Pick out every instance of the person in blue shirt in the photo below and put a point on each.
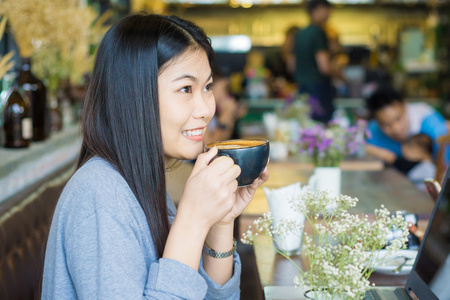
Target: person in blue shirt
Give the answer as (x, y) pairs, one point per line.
(416, 161)
(393, 120)
(115, 233)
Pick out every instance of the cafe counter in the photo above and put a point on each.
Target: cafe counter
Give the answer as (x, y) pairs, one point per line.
(21, 168)
(31, 181)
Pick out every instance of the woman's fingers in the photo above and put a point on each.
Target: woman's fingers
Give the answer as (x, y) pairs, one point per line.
(222, 168)
(221, 165)
(203, 160)
(233, 172)
(264, 176)
(246, 193)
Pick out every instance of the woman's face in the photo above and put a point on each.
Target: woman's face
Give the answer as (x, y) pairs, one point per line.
(186, 104)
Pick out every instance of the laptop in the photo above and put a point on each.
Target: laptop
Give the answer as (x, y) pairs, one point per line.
(430, 275)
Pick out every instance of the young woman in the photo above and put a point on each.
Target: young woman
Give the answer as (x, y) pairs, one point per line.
(115, 233)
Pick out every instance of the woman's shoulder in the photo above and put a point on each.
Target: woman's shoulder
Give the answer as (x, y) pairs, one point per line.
(97, 165)
(97, 175)
(97, 197)
(97, 185)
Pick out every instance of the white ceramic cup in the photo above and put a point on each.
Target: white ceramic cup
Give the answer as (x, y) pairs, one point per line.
(326, 178)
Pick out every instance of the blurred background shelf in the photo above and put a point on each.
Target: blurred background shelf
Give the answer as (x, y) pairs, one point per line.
(20, 168)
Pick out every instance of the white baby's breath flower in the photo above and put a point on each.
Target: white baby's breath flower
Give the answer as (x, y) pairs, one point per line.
(340, 250)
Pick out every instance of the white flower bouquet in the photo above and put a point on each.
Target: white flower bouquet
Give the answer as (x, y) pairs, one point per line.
(342, 247)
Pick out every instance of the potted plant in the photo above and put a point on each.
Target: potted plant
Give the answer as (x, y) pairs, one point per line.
(327, 146)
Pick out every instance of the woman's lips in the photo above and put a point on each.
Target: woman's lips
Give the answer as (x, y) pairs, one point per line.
(193, 134)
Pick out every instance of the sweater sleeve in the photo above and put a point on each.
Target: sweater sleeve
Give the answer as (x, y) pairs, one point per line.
(231, 289)
(105, 261)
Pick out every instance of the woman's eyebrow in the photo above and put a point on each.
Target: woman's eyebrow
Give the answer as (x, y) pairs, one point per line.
(209, 77)
(185, 76)
(191, 77)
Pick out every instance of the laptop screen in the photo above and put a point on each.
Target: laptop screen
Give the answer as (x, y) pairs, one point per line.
(433, 262)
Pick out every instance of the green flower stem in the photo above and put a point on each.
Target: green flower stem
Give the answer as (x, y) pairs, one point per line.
(290, 259)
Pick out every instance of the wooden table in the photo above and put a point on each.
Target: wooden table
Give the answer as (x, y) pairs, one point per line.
(371, 187)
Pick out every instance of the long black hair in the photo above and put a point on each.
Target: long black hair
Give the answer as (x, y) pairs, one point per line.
(120, 120)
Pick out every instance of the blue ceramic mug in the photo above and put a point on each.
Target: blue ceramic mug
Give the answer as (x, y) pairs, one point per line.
(250, 154)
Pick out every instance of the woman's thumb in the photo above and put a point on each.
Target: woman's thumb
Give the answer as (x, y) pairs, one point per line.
(204, 159)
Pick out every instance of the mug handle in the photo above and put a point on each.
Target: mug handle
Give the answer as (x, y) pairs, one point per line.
(217, 156)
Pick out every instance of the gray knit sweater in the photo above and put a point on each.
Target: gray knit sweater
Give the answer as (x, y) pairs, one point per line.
(100, 247)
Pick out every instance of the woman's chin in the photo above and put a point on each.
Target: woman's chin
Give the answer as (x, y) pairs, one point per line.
(196, 154)
(191, 155)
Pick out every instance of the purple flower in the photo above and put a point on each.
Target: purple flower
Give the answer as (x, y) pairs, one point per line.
(331, 143)
(324, 144)
(352, 146)
(361, 124)
(333, 122)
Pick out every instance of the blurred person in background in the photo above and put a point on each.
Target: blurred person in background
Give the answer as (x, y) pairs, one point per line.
(393, 120)
(334, 45)
(313, 68)
(416, 161)
(339, 60)
(256, 76)
(228, 111)
(287, 56)
(280, 62)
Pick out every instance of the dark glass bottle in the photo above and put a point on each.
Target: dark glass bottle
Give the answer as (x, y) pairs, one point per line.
(56, 117)
(37, 93)
(17, 122)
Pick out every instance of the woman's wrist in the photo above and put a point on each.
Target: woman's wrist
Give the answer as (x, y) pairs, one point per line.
(185, 241)
(189, 224)
(220, 237)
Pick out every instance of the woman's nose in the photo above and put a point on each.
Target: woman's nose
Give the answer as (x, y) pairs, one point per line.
(205, 106)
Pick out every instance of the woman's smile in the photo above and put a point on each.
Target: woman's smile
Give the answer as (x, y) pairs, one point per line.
(194, 134)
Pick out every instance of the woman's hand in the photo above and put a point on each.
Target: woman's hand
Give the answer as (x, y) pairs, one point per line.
(208, 196)
(210, 192)
(243, 197)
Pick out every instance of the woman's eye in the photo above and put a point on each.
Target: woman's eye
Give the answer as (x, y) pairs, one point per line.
(209, 87)
(186, 89)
